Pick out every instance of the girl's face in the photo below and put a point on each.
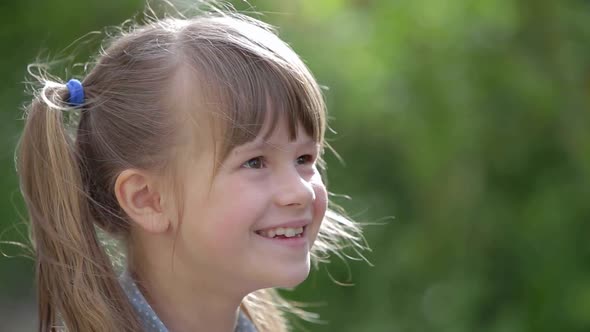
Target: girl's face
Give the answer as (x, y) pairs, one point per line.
(229, 220)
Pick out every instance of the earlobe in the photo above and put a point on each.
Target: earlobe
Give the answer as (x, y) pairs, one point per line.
(139, 198)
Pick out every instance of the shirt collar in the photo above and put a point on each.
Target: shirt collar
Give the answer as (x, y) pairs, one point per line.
(148, 317)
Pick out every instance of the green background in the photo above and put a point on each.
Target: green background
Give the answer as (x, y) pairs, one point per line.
(464, 127)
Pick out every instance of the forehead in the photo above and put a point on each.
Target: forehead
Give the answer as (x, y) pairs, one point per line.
(231, 107)
(277, 138)
(214, 122)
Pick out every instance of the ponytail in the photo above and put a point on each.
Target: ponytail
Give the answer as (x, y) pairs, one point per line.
(76, 283)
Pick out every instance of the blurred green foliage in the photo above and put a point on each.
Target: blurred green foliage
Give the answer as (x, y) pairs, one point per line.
(467, 121)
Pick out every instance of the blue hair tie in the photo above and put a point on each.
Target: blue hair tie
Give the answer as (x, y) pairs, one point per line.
(76, 92)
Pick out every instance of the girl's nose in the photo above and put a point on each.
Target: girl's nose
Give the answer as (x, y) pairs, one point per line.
(293, 190)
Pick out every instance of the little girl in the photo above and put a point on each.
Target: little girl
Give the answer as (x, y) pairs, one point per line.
(197, 143)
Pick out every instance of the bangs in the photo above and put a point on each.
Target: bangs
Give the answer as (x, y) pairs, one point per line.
(258, 92)
(252, 84)
(259, 95)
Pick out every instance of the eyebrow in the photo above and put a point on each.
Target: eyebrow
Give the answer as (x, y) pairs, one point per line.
(260, 145)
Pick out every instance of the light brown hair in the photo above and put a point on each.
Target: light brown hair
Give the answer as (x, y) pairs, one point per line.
(129, 119)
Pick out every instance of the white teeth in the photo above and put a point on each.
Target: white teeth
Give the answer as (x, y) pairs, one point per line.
(287, 232)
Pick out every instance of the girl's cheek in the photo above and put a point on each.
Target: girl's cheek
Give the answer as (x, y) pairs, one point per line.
(321, 200)
(320, 205)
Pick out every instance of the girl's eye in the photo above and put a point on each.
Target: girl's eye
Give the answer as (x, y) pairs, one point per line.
(254, 163)
(305, 159)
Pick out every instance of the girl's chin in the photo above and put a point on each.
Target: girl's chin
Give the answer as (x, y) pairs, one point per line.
(293, 278)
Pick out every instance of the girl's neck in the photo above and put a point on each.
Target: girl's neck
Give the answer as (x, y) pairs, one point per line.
(183, 301)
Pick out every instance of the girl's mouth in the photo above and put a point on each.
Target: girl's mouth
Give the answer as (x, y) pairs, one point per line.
(292, 238)
(282, 232)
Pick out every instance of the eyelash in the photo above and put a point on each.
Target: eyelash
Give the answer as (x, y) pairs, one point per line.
(308, 159)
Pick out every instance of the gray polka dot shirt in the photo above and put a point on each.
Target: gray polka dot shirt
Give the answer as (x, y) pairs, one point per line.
(150, 320)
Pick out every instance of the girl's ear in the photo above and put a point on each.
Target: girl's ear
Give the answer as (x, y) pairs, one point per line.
(139, 198)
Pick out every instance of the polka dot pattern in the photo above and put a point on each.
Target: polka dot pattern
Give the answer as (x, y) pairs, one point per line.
(148, 317)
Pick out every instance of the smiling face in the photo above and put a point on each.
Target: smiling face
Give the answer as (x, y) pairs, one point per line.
(228, 218)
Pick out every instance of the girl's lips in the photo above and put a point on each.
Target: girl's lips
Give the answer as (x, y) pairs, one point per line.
(293, 242)
(292, 224)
